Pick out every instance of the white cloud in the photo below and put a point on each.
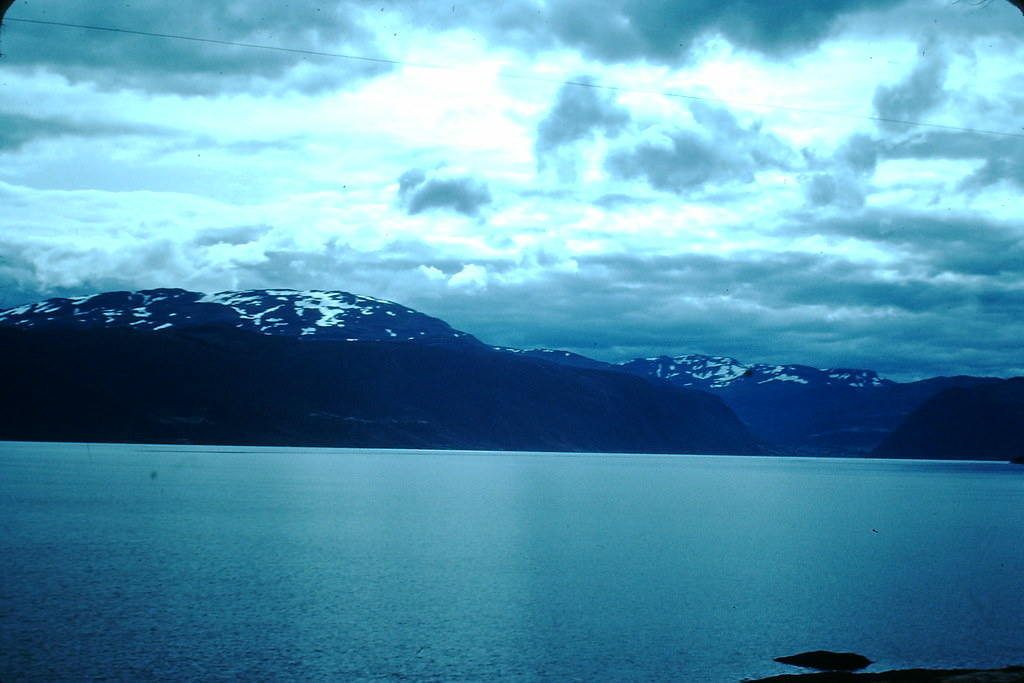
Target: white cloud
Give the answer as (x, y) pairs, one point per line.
(470, 277)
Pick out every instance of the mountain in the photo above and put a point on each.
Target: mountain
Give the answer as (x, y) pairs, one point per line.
(799, 408)
(217, 384)
(971, 423)
(282, 367)
(283, 312)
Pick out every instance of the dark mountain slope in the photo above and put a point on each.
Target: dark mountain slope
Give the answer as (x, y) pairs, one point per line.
(972, 423)
(222, 385)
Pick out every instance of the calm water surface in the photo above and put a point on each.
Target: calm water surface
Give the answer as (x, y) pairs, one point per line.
(141, 563)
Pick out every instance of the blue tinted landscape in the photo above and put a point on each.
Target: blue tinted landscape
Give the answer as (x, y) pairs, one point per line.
(539, 340)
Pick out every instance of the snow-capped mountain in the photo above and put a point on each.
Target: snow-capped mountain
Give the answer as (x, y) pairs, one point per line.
(170, 366)
(307, 314)
(720, 372)
(797, 407)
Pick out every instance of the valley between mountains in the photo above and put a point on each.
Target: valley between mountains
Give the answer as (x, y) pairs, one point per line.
(318, 368)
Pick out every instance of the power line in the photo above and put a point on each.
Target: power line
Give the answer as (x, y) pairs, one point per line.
(522, 77)
(214, 41)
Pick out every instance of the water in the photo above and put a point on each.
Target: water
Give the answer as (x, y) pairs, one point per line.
(141, 563)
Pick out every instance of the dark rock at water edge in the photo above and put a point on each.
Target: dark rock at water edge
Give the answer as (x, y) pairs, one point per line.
(825, 660)
(1011, 674)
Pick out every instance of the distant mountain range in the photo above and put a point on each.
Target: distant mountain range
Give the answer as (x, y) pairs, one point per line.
(805, 410)
(333, 368)
(799, 409)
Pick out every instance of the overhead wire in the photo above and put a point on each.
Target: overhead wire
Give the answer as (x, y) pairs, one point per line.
(520, 76)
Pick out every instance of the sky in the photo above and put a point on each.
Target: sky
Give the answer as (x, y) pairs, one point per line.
(834, 183)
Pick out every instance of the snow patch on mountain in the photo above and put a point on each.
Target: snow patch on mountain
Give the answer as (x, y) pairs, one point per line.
(311, 314)
(721, 372)
(692, 369)
(857, 378)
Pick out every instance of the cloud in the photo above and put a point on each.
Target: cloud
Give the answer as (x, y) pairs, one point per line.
(666, 31)
(944, 299)
(859, 153)
(17, 130)
(581, 111)
(998, 158)
(442, 188)
(214, 58)
(985, 160)
(824, 189)
(1008, 167)
(230, 235)
(841, 178)
(826, 311)
(962, 248)
(756, 306)
(20, 129)
(918, 93)
(471, 276)
(715, 149)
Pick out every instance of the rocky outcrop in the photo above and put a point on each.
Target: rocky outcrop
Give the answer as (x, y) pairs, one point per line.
(823, 660)
(1011, 674)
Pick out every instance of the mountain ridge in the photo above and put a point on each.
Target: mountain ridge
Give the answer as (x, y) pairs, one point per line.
(800, 409)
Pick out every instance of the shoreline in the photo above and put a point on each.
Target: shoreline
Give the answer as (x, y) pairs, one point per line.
(1010, 674)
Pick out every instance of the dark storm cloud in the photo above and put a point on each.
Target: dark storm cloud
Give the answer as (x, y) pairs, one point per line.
(235, 235)
(200, 65)
(717, 150)
(841, 177)
(20, 280)
(953, 245)
(658, 31)
(421, 190)
(758, 307)
(665, 30)
(859, 153)
(952, 145)
(918, 93)
(668, 31)
(581, 111)
(838, 189)
(1002, 156)
(17, 130)
(393, 273)
(1008, 166)
(679, 161)
(782, 280)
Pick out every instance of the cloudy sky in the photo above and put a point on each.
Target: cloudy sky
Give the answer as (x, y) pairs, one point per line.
(829, 182)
